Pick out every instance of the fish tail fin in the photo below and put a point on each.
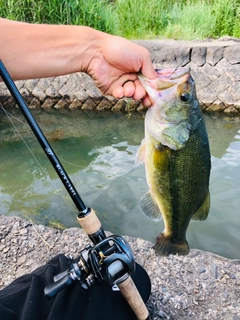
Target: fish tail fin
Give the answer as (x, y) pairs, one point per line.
(165, 246)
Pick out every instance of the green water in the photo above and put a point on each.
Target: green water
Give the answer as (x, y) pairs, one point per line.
(98, 151)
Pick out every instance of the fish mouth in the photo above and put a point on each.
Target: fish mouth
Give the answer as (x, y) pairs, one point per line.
(167, 74)
(173, 74)
(166, 79)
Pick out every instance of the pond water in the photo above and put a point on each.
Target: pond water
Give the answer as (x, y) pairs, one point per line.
(98, 151)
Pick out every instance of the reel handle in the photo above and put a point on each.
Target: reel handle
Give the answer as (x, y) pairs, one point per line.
(133, 298)
(54, 288)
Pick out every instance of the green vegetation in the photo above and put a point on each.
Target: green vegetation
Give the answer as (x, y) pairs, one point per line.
(183, 19)
(94, 13)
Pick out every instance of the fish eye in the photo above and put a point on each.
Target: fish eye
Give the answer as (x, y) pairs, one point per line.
(185, 96)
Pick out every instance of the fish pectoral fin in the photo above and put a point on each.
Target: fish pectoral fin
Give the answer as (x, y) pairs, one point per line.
(203, 210)
(149, 207)
(140, 157)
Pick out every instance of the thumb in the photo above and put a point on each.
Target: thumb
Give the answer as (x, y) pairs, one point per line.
(147, 67)
(148, 71)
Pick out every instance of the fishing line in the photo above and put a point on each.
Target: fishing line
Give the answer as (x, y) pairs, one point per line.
(9, 115)
(180, 65)
(71, 163)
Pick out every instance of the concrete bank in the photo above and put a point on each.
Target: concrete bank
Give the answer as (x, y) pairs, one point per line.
(200, 286)
(215, 66)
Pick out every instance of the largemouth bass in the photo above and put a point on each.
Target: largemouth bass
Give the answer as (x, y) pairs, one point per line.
(177, 158)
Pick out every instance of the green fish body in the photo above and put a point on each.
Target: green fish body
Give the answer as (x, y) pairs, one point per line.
(177, 159)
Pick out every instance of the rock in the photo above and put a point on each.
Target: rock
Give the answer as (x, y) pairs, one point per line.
(220, 84)
(167, 56)
(89, 104)
(58, 82)
(226, 96)
(201, 81)
(198, 55)
(48, 103)
(217, 106)
(61, 104)
(214, 55)
(39, 93)
(120, 105)
(234, 73)
(231, 110)
(237, 105)
(35, 103)
(234, 90)
(232, 53)
(51, 92)
(206, 96)
(44, 83)
(210, 72)
(76, 104)
(105, 104)
(29, 84)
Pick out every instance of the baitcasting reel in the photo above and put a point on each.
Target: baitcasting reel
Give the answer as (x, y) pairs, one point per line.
(108, 263)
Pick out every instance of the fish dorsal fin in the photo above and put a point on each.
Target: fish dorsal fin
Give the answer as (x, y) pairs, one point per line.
(149, 207)
(203, 210)
(140, 157)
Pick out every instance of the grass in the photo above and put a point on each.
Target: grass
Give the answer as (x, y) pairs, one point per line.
(186, 22)
(226, 13)
(141, 18)
(94, 13)
(183, 19)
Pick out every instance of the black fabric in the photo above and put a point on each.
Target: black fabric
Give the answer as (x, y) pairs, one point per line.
(24, 298)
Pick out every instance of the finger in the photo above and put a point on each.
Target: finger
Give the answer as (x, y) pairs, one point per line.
(114, 87)
(147, 102)
(147, 68)
(129, 89)
(117, 92)
(140, 92)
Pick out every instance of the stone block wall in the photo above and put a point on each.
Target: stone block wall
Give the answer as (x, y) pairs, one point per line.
(215, 67)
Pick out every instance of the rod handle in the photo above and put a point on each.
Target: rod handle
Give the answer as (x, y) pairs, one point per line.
(90, 223)
(132, 296)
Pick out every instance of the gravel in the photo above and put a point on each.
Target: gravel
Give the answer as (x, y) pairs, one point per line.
(198, 286)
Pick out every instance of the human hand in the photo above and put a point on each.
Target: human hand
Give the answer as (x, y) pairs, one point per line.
(115, 65)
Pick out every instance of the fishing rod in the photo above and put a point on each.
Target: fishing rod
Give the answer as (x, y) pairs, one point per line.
(110, 261)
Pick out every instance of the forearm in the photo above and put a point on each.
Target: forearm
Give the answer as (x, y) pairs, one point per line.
(38, 51)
